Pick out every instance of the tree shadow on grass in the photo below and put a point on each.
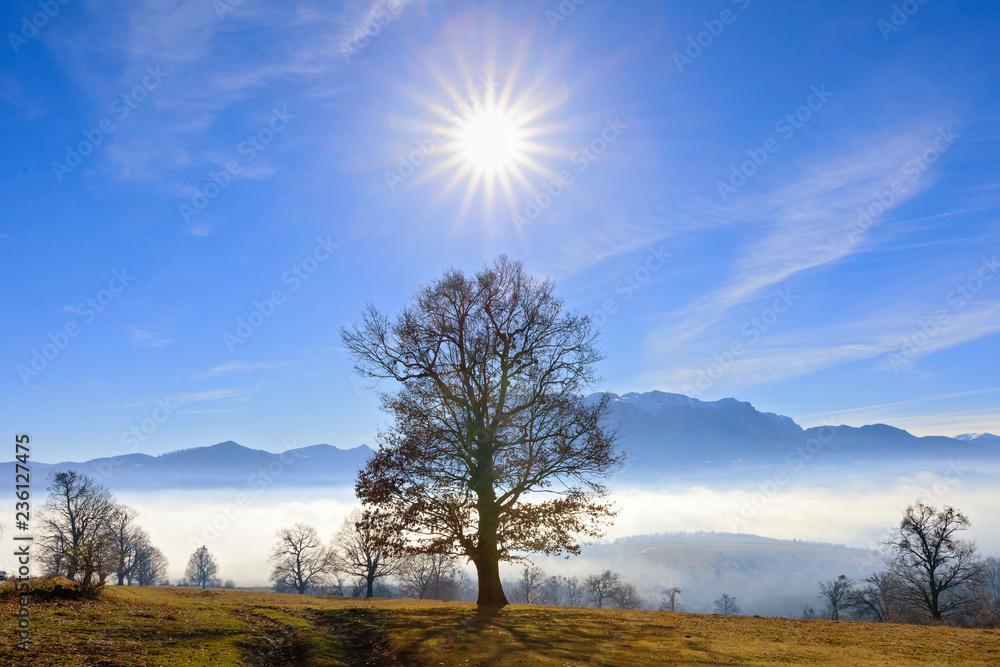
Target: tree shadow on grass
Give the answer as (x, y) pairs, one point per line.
(558, 635)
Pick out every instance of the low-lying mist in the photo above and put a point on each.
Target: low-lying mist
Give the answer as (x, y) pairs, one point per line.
(238, 525)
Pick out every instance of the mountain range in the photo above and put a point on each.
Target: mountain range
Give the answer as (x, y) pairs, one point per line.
(661, 429)
(665, 436)
(225, 465)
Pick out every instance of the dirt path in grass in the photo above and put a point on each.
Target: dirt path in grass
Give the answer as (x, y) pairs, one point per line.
(274, 644)
(362, 635)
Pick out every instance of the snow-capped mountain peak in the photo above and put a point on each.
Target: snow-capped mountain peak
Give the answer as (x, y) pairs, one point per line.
(987, 440)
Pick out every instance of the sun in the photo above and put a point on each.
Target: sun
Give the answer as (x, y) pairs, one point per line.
(494, 145)
(489, 141)
(492, 148)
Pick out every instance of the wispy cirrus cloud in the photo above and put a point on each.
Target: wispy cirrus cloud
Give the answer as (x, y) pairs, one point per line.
(363, 20)
(188, 398)
(149, 338)
(245, 367)
(808, 223)
(894, 340)
(913, 414)
(211, 395)
(218, 85)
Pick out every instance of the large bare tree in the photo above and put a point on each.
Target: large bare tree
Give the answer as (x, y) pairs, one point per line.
(75, 527)
(936, 570)
(299, 559)
(490, 415)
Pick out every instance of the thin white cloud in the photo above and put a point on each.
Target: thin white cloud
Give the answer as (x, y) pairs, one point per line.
(897, 338)
(949, 423)
(187, 398)
(244, 367)
(210, 395)
(364, 20)
(913, 401)
(147, 338)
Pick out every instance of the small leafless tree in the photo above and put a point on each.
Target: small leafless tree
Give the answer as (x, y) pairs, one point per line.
(142, 550)
(574, 592)
(554, 590)
(877, 600)
(125, 539)
(202, 568)
(836, 593)
(671, 600)
(727, 606)
(365, 548)
(808, 612)
(431, 576)
(530, 585)
(625, 596)
(599, 586)
(989, 592)
(299, 559)
(936, 570)
(150, 566)
(346, 587)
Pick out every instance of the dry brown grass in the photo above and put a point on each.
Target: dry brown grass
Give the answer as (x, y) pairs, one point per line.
(176, 626)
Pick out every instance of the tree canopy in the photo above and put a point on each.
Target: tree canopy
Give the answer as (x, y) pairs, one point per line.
(489, 416)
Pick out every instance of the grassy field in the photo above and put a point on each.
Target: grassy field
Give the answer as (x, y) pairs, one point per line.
(174, 626)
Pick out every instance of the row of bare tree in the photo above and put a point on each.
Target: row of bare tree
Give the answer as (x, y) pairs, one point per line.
(88, 537)
(606, 589)
(931, 576)
(356, 562)
(358, 557)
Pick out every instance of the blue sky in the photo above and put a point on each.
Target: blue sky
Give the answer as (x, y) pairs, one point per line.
(790, 203)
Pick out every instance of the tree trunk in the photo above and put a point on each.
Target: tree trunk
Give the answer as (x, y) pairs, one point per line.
(487, 562)
(487, 557)
(370, 593)
(490, 589)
